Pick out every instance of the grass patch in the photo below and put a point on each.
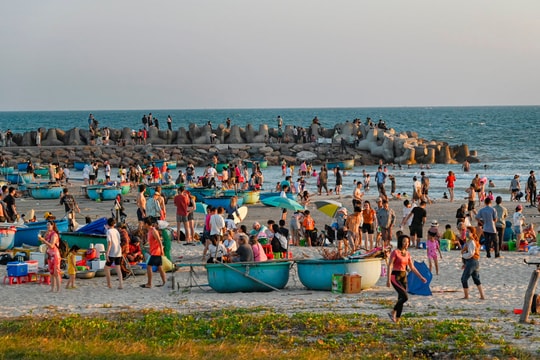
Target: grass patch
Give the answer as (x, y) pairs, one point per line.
(255, 333)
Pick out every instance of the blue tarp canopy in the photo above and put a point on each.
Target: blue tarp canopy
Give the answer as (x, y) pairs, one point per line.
(415, 286)
(95, 227)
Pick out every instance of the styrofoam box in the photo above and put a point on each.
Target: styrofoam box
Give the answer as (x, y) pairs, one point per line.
(97, 265)
(32, 266)
(40, 257)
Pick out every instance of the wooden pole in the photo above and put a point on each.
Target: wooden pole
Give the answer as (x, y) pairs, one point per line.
(524, 318)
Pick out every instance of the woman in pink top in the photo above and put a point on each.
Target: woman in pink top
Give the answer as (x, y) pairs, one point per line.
(258, 251)
(52, 240)
(397, 274)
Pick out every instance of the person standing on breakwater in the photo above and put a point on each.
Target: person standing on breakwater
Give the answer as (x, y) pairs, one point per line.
(169, 122)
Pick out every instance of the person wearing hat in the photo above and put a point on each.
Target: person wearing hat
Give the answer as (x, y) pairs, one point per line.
(531, 188)
(487, 218)
(433, 246)
(153, 207)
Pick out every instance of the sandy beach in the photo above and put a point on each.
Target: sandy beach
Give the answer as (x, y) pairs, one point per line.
(505, 280)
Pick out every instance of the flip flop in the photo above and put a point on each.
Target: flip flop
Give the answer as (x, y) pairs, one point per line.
(145, 286)
(391, 317)
(160, 285)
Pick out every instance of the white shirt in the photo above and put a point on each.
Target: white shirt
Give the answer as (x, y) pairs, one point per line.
(113, 243)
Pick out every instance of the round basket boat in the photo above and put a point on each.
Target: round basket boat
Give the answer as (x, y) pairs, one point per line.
(86, 274)
(100, 273)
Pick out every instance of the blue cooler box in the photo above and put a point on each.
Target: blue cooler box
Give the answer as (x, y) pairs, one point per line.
(17, 268)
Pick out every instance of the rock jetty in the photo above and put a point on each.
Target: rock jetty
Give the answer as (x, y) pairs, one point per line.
(366, 144)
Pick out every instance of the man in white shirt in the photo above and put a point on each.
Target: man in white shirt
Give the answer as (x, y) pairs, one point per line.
(114, 253)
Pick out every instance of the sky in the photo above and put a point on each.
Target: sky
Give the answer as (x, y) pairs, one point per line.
(206, 54)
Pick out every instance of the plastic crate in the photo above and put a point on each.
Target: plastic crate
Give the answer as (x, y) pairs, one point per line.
(32, 265)
(17, 269)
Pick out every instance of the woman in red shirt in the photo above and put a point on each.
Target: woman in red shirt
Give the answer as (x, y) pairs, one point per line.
(450, 180)
(397, 274)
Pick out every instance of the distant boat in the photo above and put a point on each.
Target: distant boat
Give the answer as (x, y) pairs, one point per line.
(343, 165)
(263, 163)
(249, 196)
(22, 166)
(92, 233)
(19, 178)
(248, 277)
(316, 274)
(103, 192)
(224, 201)
(171, 165)
(4, 170)
(41, 171)
(220, 166)
(44, 191)
(83, 240)
(79, 165)
(168, 191)
(264, 195)
(7, 236)
(28, 232)
(201, 192)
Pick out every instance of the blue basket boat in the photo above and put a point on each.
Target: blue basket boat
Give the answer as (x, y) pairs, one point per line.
(248, 277)
(317, 274)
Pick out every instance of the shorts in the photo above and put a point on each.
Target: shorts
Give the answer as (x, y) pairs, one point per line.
(190, 216)
(155, 260)
(181, 218)
(92, 177)
(470, 206)
(416, 230)
(113, 260)
(140, 216)
(518, 230)
(368, 228)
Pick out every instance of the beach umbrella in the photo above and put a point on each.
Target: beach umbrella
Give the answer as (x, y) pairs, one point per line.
(200, 208)
(328, 207)
(281, 202)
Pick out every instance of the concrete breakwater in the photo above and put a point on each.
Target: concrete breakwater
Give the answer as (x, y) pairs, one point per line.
(366, 144)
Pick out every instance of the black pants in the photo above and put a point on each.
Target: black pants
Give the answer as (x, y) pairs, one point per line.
(399, 282)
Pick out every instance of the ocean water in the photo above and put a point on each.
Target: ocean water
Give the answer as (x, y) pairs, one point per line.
(505, 137)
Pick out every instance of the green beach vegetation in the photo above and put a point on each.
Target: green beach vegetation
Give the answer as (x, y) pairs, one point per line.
(255, 333)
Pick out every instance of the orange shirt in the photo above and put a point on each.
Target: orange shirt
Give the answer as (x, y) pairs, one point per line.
(309, 223)
(369, 216)
(155, 244)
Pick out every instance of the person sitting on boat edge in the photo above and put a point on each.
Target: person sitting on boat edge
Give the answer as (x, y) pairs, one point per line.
(244, 253)
(258, 251)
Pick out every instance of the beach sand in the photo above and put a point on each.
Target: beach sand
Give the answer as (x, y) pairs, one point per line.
(505, 281)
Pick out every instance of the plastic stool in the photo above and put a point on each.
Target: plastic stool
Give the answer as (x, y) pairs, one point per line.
(45, 279)
(15, 279)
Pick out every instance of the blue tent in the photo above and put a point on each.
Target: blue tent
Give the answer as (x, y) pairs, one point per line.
(415, 286)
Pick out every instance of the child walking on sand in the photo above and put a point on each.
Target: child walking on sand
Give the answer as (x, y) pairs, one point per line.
(433, 247)
(72, 266)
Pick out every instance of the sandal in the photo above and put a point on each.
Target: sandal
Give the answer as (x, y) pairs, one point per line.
(145, 286)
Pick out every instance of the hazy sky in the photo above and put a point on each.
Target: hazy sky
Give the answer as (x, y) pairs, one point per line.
(181, 54)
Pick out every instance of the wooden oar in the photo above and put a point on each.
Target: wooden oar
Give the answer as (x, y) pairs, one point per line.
(249, 276)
